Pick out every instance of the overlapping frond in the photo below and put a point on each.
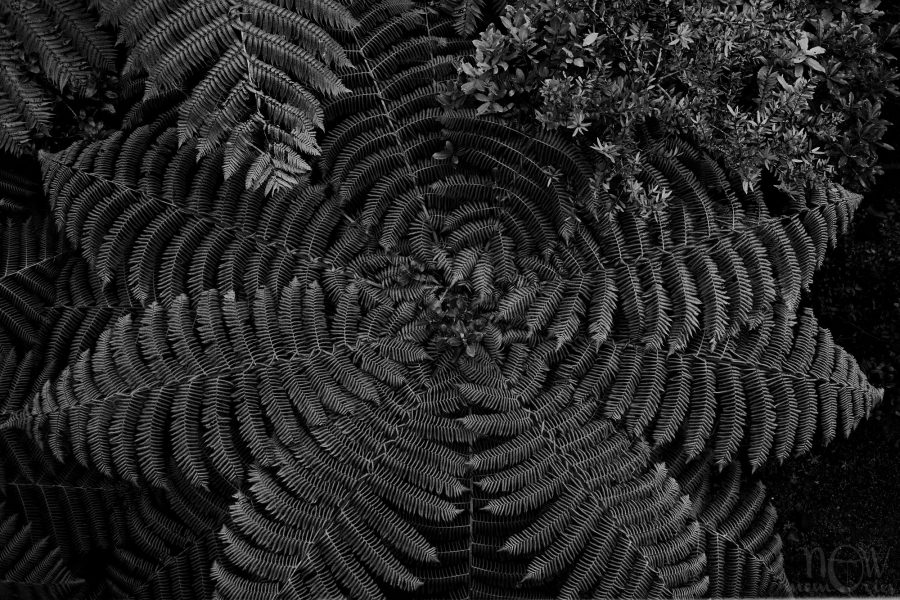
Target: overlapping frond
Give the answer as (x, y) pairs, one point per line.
(742, 548)
(28, 266)
(24, 105)
(71, 52)
(602, 518)
(30, 566)
(52, 305)
(254, 73)
(154, 545)
(154, 234)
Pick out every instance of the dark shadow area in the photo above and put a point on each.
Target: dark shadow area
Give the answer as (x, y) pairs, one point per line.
(840, 507)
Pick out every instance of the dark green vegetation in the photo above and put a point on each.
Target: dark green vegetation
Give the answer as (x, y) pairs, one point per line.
(288, 325)
(789, 88)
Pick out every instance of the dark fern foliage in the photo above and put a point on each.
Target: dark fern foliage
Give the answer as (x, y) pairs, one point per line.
(68, 50)
(253, 71)
(24, 106)
(31, 567)
(468, 15)
(434, 366)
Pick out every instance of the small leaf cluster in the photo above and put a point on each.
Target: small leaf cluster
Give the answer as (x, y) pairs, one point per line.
(789, 87)
(456, 322)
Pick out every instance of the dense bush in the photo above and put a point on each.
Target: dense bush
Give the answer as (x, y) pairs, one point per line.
(789, 87)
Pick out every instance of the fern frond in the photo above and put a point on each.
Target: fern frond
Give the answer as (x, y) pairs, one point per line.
(25, 107)
(15, 136)
(298, 524)
(467, 15)
(600, 493)
(31, 567)
(269, 63)
(743, 550)
(80, 26)
(71, 51)
(161, 242)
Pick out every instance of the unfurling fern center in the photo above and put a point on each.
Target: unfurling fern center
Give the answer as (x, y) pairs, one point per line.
(434, 362)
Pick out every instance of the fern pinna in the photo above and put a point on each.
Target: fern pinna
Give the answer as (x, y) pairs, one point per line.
(436, 366)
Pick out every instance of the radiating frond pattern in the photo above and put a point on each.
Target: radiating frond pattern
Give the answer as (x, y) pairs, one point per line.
(436, 366)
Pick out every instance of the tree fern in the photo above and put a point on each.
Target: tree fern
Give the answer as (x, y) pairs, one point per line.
(417, 356)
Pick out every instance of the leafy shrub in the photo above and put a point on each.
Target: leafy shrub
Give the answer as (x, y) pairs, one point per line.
(786, 87)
